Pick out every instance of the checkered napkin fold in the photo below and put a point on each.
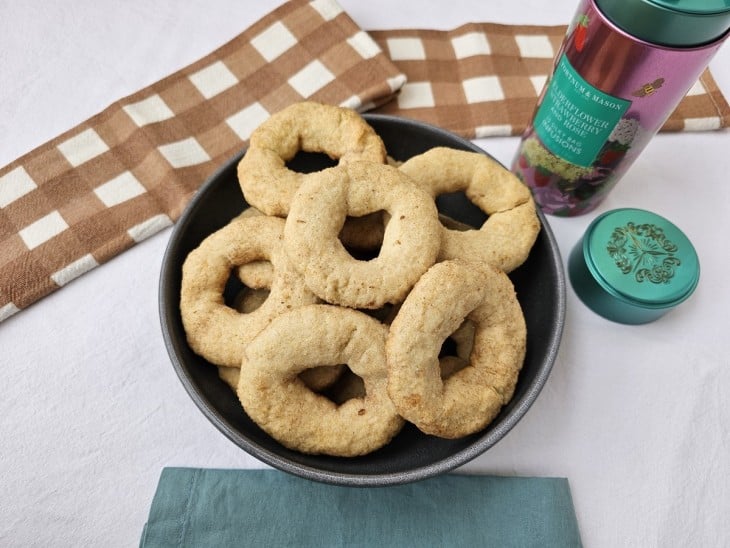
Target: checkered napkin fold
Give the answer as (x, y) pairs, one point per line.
(128, 172)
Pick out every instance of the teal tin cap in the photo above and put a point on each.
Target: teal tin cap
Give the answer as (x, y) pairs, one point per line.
(632, 266)
(673, 23)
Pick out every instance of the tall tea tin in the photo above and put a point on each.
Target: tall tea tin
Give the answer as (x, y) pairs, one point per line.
(622, 69)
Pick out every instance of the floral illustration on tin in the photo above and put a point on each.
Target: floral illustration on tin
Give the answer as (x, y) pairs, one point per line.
(566, 189)
(551, 179)
(645, 251)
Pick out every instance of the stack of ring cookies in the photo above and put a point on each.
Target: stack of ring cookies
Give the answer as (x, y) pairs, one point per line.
(361, 309)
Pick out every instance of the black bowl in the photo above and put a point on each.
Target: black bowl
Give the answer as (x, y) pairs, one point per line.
(412, 455)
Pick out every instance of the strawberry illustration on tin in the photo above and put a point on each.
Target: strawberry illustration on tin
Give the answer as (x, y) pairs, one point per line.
(581, 32)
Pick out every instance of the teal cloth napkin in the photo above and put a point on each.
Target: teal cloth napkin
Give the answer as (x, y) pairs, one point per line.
(269, 508)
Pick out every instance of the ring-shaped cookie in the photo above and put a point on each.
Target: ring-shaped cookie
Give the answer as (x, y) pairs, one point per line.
(214, 330)
(469, 399)
(410, 241)
(508, 234)
(274, 396)
(318, 379)
(340, 133)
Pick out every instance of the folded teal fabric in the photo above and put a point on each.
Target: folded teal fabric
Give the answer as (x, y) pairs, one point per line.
(269, 508)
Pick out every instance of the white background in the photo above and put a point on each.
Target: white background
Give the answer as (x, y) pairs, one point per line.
(636, 418)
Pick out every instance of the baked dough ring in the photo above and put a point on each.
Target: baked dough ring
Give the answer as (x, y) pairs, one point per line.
(410, 241)
(508, 234)
(469, 399)
(273, 395)
(215, 331)
(341, 133)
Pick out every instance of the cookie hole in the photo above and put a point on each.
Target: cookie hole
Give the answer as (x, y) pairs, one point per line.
(450, 365)
(449, 361)
(234, 286)
(448, 348)
(452, 224)
(457, 205)
(348, 386)
(456, 349)
(321, 378)
(249, 300)
(310, 162)
(362, 236)
(384, 315)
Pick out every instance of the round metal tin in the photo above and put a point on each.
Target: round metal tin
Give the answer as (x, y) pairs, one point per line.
(632, 266)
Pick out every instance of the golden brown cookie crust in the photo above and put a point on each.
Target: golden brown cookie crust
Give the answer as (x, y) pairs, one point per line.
(214, 330)
(469, 399)
(341, 133)
(274, 396)
(507, 236)
(410, 242)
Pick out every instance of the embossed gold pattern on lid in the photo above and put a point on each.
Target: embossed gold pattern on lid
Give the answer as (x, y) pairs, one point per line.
(632, 266)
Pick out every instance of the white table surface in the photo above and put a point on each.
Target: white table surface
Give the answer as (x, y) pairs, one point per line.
(637, 418)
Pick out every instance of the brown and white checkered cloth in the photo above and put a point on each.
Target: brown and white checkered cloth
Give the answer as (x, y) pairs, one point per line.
(483, 79)
(128, 172)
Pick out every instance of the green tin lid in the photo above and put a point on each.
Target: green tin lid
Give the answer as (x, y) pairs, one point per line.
(673, 23)
(632, 266)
